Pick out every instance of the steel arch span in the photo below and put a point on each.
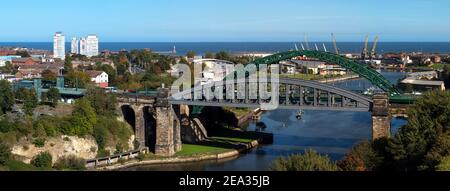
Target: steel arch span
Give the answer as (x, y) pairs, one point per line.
(363, 70)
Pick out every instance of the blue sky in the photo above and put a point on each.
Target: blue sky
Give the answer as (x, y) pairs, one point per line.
(225, 20)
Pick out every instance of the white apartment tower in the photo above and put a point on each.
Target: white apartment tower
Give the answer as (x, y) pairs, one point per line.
(75, 49)
(83, 48)
(91, 45)
(59, 46)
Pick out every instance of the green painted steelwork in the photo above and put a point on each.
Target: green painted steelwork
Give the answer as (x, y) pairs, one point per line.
(363, 70)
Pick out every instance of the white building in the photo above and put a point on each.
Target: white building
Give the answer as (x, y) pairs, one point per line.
(100, 78)
(74, 46)
(91, 45)
(83, 49)
(59, 47)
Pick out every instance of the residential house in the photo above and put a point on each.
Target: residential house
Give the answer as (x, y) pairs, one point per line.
(100, 78)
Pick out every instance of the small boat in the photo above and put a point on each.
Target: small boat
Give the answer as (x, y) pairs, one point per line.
(300, 114)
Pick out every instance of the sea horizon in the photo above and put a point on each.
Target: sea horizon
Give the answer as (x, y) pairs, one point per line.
(239, 47)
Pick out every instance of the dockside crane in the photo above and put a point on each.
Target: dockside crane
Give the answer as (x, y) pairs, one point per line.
(324, 47)
(296, 47)
(317, 48)
(373, 53)
(334, 43)
(365, 52)
(303, 47)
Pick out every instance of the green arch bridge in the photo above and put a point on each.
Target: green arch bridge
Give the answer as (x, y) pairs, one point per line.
(365, 71)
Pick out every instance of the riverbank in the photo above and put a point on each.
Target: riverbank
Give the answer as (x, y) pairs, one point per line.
(339, 79)
(198, 157)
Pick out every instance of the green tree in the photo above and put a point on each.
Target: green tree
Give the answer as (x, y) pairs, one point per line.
(77, 79)
(6, 96)
(446, 76)
(70, 162)
(209, 55)
(425, 140)
(31, 102)
(8, 68)
(23, 53)
(5, 153)
(83, 118)
(222, 55)
(68, 67)
(362, 157)
(42, 160)
(53, 96)
(48, 76)
(309, 161)
(191, 54)
(103, 103)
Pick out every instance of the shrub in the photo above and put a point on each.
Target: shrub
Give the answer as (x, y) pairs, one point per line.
(42, 160)
(103, 153)
(136, 144)
(39, 142)
(7, 126)
(71, 163)
(362, 157)
(5, 154)
(309, 161)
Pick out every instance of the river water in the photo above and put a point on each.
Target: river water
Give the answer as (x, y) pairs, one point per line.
(328, 132)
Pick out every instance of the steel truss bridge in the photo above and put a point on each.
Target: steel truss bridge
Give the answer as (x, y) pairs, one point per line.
(302, 94)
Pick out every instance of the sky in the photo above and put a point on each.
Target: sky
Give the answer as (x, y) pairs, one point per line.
(226, 20)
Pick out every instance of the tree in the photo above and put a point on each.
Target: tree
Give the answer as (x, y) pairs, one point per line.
(48, 76)
(362, 157)
(425, 140)
(209, 55)
(23, 53)
(77, 79)
(83, 118)
(446, 76)
(42, 160)
(191, 54)
(102, 102)
(5, 153)
(6, 96)
(8, 68)
(68, 67)
(309, 161)
(30, 102)
(121, 68)
(53, 96)
(222, 55)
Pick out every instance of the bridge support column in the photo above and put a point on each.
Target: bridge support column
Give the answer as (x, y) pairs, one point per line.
(164, 125)
(381, 120)
(140, 125)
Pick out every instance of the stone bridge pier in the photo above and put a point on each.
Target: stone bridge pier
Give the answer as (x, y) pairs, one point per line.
(381, 119)
(154, 122)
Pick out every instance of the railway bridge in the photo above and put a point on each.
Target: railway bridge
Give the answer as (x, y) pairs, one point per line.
(155, 119)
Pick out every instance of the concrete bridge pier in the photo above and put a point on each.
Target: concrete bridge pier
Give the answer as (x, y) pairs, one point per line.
(381, 120)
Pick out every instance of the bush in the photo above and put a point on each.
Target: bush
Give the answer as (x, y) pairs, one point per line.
(39, 142)
(42, 160)
(310, 161)
(109, 129)
(103, 153)
(5, 154)
(71, 163)
(362, 157)
(7, 126)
